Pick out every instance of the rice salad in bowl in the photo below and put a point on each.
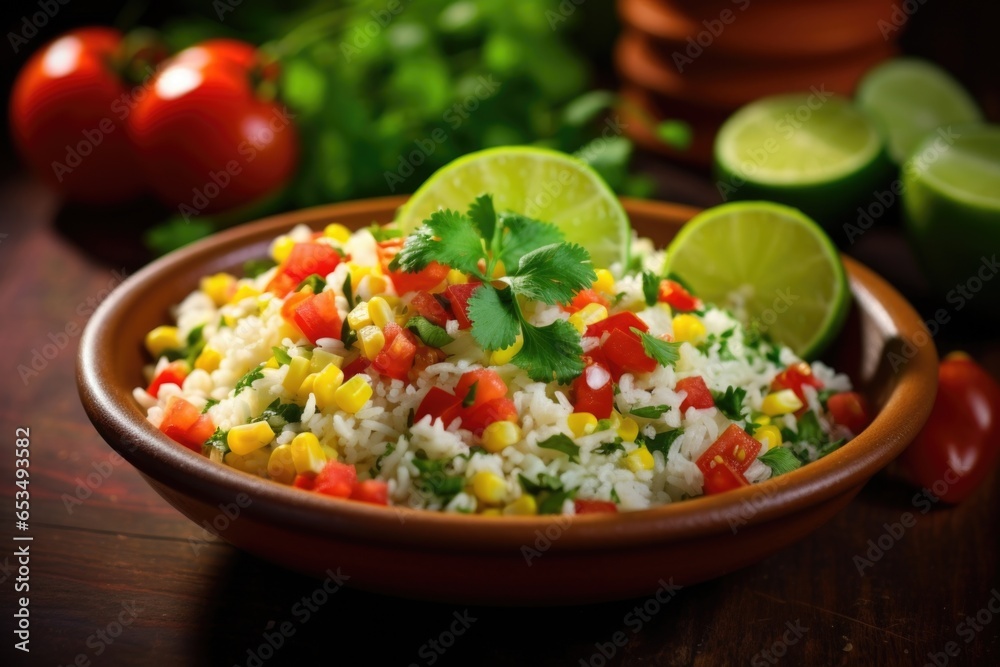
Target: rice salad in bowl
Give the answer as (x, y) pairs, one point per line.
(482, 364)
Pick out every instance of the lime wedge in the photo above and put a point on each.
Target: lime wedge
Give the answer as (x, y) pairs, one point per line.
(772, 258)
(814, 151)
(542, 184)
(909, 97)
(951, 205)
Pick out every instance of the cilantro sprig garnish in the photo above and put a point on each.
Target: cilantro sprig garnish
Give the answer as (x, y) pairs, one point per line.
(533, 261)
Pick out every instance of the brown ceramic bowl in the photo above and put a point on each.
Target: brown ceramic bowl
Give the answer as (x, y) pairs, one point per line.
(496, 560)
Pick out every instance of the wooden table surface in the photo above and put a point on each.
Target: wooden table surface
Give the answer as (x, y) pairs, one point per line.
(118, 577)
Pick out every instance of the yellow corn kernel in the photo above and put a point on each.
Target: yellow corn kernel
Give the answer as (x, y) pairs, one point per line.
(353, 394)
(525, 505)
(616, 420)
(298, 369)
(504, 356)
(218, 287)
(326, 384)
(688, 328)
(246, 438)
(392, 300)
(358, 272)
(307, 454)
(605, 282)
(244, 292)
(306, 388)
(761, 420)
(376, 284)
(629, 430)
(330, 451)
(640, 459)
(254, 462)
(280, 467)
(321, 359)
(488, 487)
(769, 436)
(380, 312)
(271, 363)
(359, 316)
(161, 339)
(492, 511)
(589, 314)
(456, 277)
(281, 248)
(337, 232)
(781, 403)
(581, 423)
(372, 341)
(208, 360)
(499, 435)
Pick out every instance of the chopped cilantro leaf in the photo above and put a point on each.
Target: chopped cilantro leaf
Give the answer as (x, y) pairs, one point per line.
(248, 379)
(809, 430)
(377, 468)
(314, 282)
(650, 411)
(521, 235)
(779, 460)
(545, 482)
(254, 267)
(650, 288)
(278, 414)
(470, 397)
(219, 440)
(661, 441)
(484, 216)
(552, 503)
(281, 356)
(609, 448)
(562, 443)
(348, 292)
(385, 232)
(663, 352)
(434, 480)
(831, 447)
(446, 237)
(494, 316)
(730, 402)
(554, 273)
(550, 350)
(428, 332)
(208, 404)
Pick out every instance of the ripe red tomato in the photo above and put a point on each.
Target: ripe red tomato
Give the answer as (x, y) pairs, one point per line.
(207, 141)
(67, 117)
(960, 443)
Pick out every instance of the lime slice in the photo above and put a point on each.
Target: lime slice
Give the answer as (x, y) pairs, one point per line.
(784, 268)
(542, 184)
(951, 204)
(909, 97)
(814, 151)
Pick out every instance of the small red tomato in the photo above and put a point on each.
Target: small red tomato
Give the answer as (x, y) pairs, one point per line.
(795, 377)
(207, 141)
(849, 409)
(489, 386)
(373, 491)
(674, 294)
(66, 113)
(960, 443)
(583, 506)
(584, 298)
(427, 278)
(698, 394)
(336, 479)
(593, 390)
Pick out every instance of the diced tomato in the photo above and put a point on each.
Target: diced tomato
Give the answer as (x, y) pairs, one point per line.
(184, 423)
(428, 307)
(458, 296)
(355, 367)
(593, 390)
(427, 278)
(489, 386)
(478, 417)
(306, 482)
(424, 357)
(594, 506)
(619, 321)
(734, 447)
(304, 260)
(698, 395)
(336, 479)
(795, 377)
(583, 298)
(674, 294)
(624, 349)
(282, 284)
(174, 373)
(317, 317)
(292, 302)
(723, 478)
(849, 409)
(439, 403)
(396, 357)
(373, 491)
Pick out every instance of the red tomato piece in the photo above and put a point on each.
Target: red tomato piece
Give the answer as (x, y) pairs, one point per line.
(489, 386)
(849, 409)
(427, 278)
(174, 373)
(624, 349)
(307, 482)
(795, 377)
(619, 321)
(734, 447)
(424, 357)
(374, 491)
(317, 317)
(458, 296)
(336, 479)
(698, 395)
(439, 404)
(583, 298)
(594, 506)
(184, 423)
(356, 367)
(396, 357)
(428, 307)
(674, 294)
(723, 478)
(292, 302)
(478, 417)
(593, 390)
(304, 260)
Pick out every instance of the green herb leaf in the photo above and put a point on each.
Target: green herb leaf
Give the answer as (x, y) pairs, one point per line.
(809, 430)
(484, 216)
(254, 267)
(434, 479)
(545, 482)
(663, 352)
(661, 441)
(650, 288)
(314, 281)
(377, 468)
(730, 402)
(494, 317)
(779, 460)
(208, 404)
(248, 379)
(554, 273)
(470, 397)
(831, 447)
(562, 443)
(650, 411)
(278, 414)
(348, 293)
(552, 503)
(548, 351)
(218, 440)
(609, 448)
(446, 237)
(428, 332)
(281, 356)
(385, 232)
(195, 344)
(522, 235)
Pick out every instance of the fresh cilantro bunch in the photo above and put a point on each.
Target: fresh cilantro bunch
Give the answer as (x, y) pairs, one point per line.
(536, 263)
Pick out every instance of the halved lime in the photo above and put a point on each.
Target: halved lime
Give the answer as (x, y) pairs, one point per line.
(814, 151)
(909, 97)
(540, 183)
(951, 202)
(783, 267)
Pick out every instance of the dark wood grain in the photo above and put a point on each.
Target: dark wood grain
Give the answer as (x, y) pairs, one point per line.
(123, 553)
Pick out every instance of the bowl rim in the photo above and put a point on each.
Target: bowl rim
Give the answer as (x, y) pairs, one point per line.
(122, 423)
